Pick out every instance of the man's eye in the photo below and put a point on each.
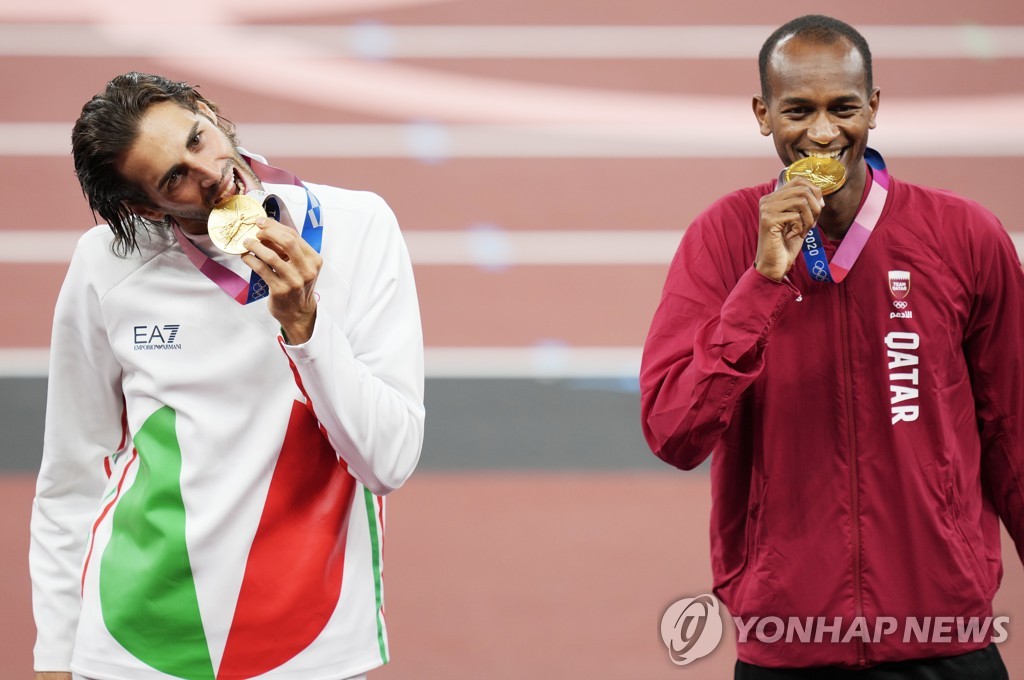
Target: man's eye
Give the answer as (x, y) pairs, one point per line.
(194, 142)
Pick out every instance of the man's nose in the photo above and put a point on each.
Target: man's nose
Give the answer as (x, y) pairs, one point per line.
(823, 130)
(208, 171)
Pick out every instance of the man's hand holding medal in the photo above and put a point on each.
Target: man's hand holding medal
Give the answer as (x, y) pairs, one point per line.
(791, 210)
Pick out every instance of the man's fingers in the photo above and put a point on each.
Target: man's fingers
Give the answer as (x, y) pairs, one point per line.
(787, 214)
(796, 226)
(275, 270)
(264, 253)
(798, 206)
(804, 183)
(281, 257)
(283, 240)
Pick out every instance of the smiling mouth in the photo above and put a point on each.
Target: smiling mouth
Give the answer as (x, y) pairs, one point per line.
(835, 154)
(234, 186)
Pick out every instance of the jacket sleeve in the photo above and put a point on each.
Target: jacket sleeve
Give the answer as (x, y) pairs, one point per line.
(362, 369)
(994, 350)
(84, 408)
(706, 343)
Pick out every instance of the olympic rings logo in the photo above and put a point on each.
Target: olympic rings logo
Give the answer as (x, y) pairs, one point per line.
(900, 304)
(818, 272)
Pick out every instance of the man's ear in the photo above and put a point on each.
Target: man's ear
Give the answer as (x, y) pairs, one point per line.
(761, 113)
(207, 111)
(873, 101)
(147, 212)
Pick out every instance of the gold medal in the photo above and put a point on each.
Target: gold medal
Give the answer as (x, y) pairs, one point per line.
(233, 222)
(827, 174)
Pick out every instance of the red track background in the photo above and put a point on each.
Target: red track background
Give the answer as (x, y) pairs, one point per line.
(502, 575)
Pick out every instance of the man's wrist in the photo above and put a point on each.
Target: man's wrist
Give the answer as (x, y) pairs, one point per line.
(298, 333)
(769, 273)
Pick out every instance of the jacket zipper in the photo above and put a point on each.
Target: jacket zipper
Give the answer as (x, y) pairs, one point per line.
(858, 598)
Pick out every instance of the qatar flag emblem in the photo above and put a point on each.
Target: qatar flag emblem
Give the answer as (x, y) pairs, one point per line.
(899, 284)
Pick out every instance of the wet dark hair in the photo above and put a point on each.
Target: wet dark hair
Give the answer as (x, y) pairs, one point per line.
(106, 129)
(817, 29)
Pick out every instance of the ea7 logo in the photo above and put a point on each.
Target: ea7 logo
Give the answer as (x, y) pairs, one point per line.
(157, 336)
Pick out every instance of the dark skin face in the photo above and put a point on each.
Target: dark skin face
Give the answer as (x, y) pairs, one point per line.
(820, 105)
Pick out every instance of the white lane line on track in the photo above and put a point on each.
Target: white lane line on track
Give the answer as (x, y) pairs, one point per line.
(539, 362)
(37, 247)
(903, 131)
(24, 362)
(483, 248)
(221, 53)
(542, 361)
(382, 41)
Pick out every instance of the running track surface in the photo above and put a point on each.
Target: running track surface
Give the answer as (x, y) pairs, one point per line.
(503, 575)
(515, 576)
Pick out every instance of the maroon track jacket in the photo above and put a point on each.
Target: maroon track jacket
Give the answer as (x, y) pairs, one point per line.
(867, 435)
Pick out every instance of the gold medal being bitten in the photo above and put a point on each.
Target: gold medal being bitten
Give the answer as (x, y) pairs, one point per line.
(233, 222)
(827, 174)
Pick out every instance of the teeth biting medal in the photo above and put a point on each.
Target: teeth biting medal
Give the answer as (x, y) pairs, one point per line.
(828, 174)
(234, 221)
